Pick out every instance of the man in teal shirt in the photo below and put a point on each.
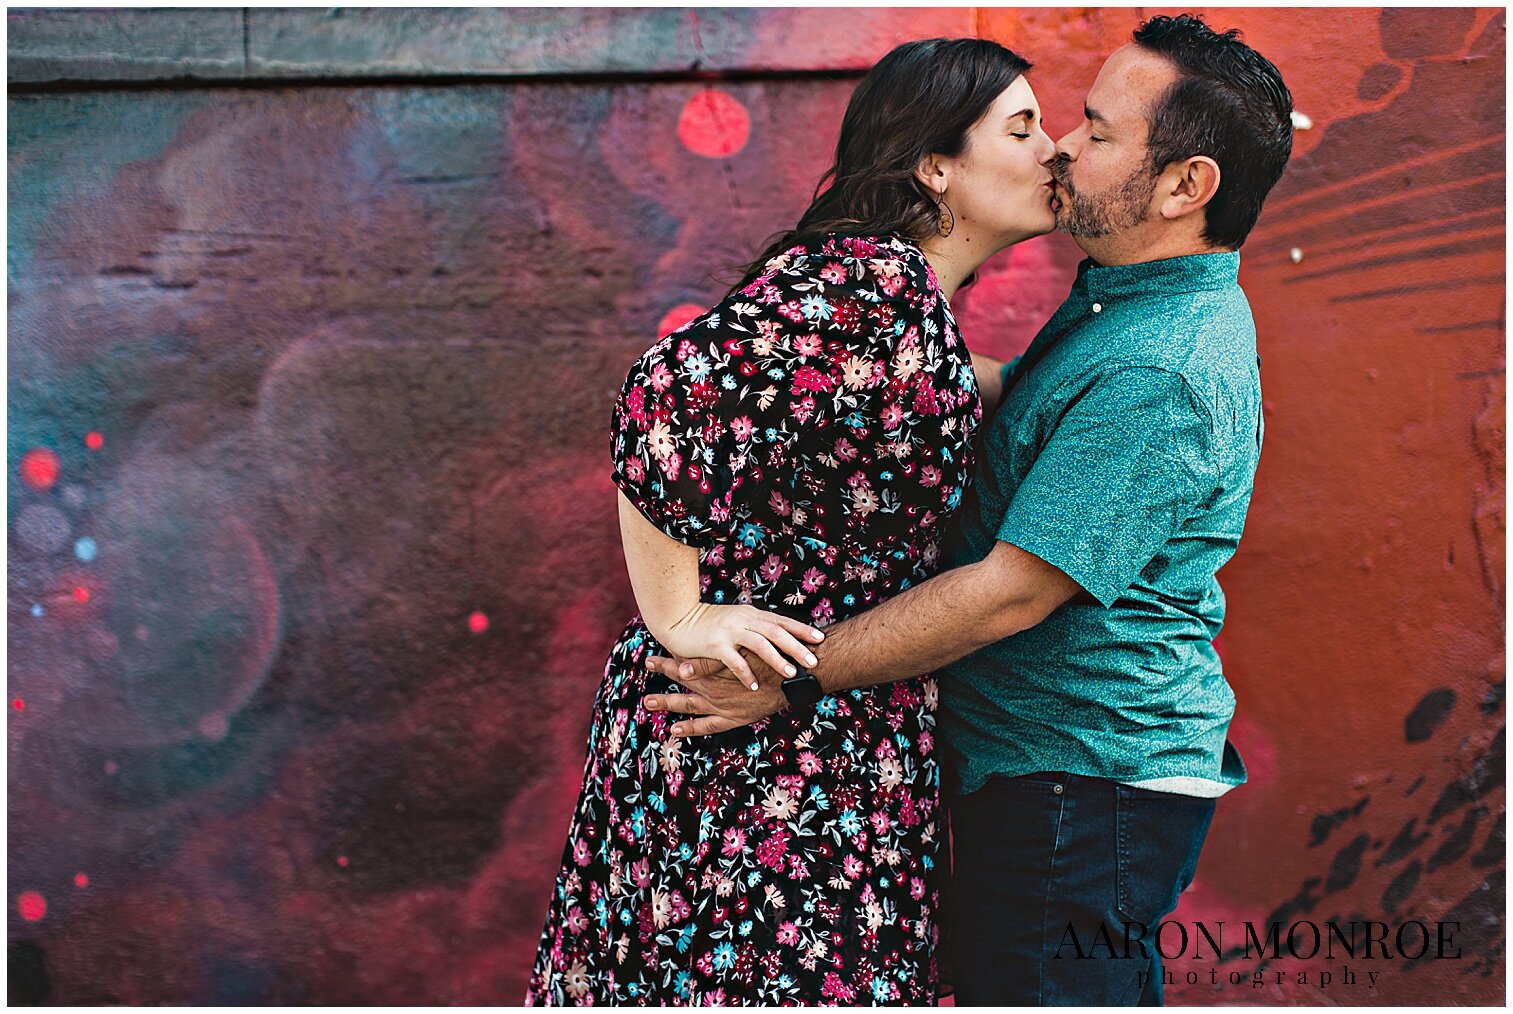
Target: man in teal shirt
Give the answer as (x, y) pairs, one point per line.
(1083, 707)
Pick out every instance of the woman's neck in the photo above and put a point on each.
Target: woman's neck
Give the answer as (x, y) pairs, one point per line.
(953, 258)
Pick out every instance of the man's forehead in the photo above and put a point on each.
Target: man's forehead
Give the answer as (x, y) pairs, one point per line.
(1130, 81)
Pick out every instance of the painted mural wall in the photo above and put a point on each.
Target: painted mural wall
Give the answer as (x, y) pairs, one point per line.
(315, 318)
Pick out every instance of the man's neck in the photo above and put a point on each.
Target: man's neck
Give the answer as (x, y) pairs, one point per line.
(1141, 248)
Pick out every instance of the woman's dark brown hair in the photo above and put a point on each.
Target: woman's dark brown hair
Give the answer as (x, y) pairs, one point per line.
(920, 99)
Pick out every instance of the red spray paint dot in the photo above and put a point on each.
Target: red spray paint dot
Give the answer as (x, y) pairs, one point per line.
(18, 704)
(31, 905)
(714, 124)
(677, 317)
(94, 441)
(341, 860)
(478, 623)
(39, 468)
(81, 880)
(81, 593)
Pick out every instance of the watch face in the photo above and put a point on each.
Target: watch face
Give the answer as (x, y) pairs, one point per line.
(803, 691)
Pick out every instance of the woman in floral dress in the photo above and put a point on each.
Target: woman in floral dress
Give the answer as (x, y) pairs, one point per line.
(808, 437)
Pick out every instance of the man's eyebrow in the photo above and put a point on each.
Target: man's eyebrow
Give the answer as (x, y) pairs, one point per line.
(1091, 113)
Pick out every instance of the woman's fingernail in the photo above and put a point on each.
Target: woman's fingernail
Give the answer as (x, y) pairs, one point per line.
(790, 670)
(652, 704)
(649, 663)
(755, 685)
(811, 659)
(819, 635)
(677, 730)
(686, 670)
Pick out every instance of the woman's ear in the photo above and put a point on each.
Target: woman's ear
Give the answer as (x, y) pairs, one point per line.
(932, 175)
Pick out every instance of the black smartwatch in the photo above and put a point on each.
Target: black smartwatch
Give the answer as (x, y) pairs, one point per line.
(803, 690)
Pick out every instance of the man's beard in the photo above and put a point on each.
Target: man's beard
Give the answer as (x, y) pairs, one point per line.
(1097, 215)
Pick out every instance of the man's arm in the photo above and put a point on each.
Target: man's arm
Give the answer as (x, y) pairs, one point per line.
(932, 624)
(941, 620)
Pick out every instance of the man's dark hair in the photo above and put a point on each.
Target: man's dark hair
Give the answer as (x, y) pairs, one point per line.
(1231, 105)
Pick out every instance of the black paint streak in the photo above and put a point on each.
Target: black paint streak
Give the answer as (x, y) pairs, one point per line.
(1404, 844)
(1494, 697)
(1485, 775)
(1325, 823)
(1480, 916)
(1414, 787)
(1347, 865)
(1458, 842)
(1429, 714)
(1398, 891)
(1496, 845)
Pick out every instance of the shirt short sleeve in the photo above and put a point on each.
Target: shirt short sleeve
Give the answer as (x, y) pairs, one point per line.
(705, 424)
(1119, 473)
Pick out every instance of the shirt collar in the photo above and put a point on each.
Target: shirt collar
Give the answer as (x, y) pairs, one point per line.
(1193, 273)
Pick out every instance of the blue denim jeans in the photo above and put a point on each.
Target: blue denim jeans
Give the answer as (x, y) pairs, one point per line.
(1041, 863)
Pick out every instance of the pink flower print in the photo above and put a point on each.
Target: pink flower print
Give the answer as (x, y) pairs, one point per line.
(734, 841)
(803, 408)
(781, 507)
(772, 568)
(581, 854)
(576, 920)
(661, 377)
(793, 783)
(807, 378)
(792, 310)
(929, 476)
(863, 249)
(833, 273)
(797, 868)
(846, 451)
(851, 867)
(741, 428)
(788, 933)
(808, 345)
(640, 872)
(635, 471)
(772, 851)
(635, 404)
(892, 415)
(880, 821)
(925, 402)
(810, 763)
(824, 612)
(835, 989)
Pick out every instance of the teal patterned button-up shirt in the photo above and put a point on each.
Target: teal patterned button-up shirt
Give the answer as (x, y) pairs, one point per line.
(1123, 454)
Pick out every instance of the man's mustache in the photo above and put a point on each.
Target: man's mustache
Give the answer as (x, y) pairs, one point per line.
(1059, 165)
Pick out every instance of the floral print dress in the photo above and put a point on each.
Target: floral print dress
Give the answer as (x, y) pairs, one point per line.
(810, 435)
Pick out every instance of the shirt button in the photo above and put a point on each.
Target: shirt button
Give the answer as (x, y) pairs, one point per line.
(1057, 790)
(1097, 307)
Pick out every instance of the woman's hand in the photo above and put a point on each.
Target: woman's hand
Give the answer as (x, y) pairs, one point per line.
(720, 632)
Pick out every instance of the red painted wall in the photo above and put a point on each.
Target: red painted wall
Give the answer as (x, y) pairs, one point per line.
(313, 561)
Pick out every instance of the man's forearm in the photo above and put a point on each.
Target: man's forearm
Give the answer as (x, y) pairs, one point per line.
(937, 622)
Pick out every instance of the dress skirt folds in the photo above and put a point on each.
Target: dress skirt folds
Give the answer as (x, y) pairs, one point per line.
(810, 435)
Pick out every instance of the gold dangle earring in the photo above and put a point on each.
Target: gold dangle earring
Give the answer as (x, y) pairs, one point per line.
(945, 221)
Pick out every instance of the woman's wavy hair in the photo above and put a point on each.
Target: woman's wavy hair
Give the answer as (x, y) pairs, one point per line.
(922, 98)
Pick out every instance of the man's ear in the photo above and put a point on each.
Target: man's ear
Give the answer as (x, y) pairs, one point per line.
(1187, 186)
(931, 174)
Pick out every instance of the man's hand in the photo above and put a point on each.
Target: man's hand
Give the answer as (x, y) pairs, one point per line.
(715, 704)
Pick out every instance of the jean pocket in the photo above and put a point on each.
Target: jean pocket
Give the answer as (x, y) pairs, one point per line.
(1157, 838)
